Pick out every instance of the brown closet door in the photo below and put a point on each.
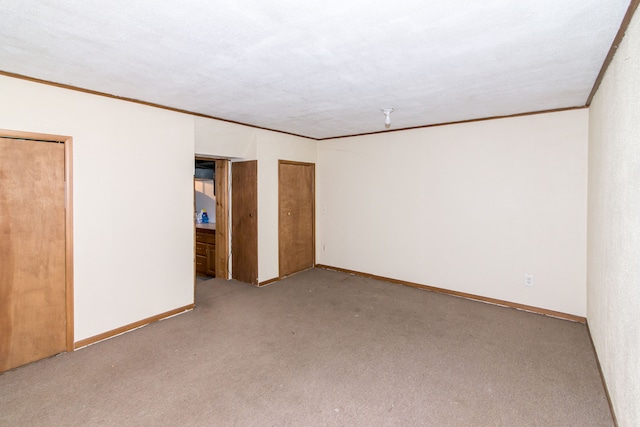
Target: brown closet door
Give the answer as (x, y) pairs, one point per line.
(32, 251)
(296, 200)
(244, 221)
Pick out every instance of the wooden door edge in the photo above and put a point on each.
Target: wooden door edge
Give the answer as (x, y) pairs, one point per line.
(68, 208)
(222, 219)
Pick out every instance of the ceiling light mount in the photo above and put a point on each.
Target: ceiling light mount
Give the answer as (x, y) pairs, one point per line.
(387, 116)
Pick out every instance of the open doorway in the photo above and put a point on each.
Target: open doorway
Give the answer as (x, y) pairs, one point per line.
(205, 218)
(211, 211)
(212, 251)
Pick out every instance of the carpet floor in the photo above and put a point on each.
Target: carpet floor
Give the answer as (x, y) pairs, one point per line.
(321, 348)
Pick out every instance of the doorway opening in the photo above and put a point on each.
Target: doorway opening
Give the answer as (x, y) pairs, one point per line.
(211, 195)
(205, 218)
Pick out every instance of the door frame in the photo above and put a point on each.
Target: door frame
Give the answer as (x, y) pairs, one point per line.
(221, 189)
(221, 186)
(68, 220)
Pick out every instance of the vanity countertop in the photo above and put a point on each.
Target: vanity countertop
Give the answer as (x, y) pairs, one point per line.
(207, 226)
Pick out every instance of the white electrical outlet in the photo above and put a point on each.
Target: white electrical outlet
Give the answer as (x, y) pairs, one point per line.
(324, 247)
(528, 279)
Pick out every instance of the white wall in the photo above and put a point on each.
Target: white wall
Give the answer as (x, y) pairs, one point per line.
(205, 198)
(614, 227)
(133, 236)
(468, 207)
(221, 139)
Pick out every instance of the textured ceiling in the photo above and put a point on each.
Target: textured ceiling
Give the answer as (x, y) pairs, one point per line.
(319, 68)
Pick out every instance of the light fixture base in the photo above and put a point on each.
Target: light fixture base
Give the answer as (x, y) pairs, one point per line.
(387, 116)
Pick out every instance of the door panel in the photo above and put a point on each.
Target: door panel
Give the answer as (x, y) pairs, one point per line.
(32, 251)
(296, 200)
(244, 221)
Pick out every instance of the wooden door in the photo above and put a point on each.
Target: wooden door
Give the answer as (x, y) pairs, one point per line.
(296, 206)
(33, 322)
(244, 221)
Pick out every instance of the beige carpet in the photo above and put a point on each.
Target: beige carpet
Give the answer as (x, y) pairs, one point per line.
(321, 348)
